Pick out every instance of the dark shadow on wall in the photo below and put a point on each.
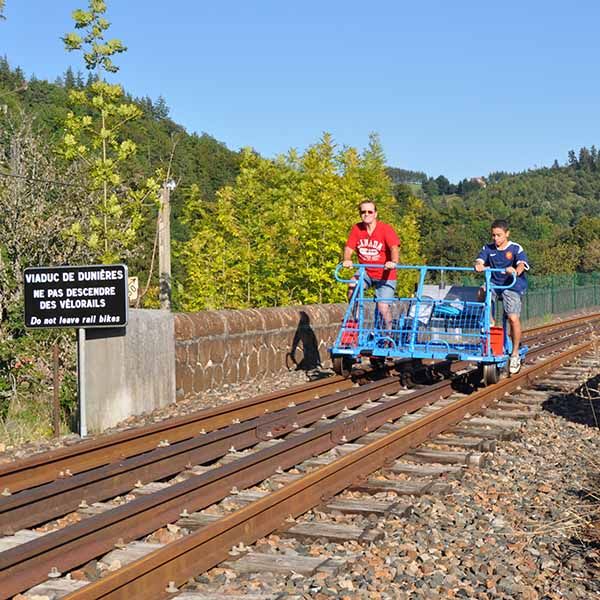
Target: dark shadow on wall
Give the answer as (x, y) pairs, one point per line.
(304, 353)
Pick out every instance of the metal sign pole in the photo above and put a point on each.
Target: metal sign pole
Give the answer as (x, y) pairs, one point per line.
(81, 381)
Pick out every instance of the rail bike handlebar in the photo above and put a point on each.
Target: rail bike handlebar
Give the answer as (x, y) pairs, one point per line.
(423, 270)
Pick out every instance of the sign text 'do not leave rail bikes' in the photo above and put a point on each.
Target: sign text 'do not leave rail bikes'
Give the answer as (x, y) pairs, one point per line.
(76, 296)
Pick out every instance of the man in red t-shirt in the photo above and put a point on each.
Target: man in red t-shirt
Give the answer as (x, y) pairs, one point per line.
(376, 243)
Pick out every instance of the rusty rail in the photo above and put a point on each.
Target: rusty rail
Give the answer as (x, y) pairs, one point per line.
(29, 563)
(63, 462)
(43, 503)
(148, 577)
(48, 466)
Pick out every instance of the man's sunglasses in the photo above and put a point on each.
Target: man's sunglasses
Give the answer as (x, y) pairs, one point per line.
(367, 212)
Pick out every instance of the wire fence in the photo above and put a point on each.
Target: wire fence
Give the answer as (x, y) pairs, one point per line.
(554, 294)
(549, 295)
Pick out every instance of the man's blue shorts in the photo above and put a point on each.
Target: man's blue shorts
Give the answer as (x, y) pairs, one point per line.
(385, 289)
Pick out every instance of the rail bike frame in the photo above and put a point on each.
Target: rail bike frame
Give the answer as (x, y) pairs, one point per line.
(449, 327)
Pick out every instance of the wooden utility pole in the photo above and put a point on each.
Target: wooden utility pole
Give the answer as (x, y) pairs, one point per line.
(164, 245)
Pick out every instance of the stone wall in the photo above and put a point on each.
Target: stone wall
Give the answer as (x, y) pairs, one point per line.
(214, 347)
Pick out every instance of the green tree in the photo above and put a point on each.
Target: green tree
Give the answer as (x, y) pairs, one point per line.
(443, 185)
(94, 135)
(275, 236)
(556, 259)
(590, 256)
(430, 187)
(34, 208)
(97, 53)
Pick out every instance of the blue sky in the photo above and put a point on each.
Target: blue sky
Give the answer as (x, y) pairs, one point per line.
(457, 88)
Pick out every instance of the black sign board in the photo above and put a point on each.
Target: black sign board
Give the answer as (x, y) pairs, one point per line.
(88, 296)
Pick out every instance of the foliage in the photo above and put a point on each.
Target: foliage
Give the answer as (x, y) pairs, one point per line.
(33, 212)
(96, 52)
(93, 135)
(405, 176)
(197, 161)
(275, 236)
(552, 213)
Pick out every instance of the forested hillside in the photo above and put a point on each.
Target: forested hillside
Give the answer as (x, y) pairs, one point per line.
(553, 213)
(197, 162)
(81, 167)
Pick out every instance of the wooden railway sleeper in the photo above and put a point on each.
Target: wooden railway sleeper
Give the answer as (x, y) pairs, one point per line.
(203, 549)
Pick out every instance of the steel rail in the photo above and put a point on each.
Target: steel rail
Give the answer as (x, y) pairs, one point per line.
(46, 502)
(563, 325)
(88, 454)
(536, 334)
(29, 563)
(196, 553)
(48, 466)
(43, 503)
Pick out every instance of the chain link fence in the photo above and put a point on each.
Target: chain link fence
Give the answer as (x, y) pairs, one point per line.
(553, 294)
(549, 295)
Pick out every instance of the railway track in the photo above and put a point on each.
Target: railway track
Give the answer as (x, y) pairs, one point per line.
(54, 499)
(258, 449)
(65, 462)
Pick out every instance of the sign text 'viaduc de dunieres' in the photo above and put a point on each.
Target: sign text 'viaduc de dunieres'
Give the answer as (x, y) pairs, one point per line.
(86, 296)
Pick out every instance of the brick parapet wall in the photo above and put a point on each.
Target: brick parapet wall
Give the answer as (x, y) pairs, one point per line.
(217, 347)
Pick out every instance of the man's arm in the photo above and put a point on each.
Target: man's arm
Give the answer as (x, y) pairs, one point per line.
(395, 257)
(522, 263)
(347, 262)
(393, 242)
(518, 270)
(479, 265)
(481, 260)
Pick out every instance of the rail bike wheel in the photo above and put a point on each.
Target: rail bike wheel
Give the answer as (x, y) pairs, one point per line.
(490, 374)
(377, 362)
(342, 365)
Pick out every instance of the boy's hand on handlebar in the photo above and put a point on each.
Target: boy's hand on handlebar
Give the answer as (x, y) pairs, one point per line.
(347, 264)
(390, 264)
(479, 266)
(511, 271)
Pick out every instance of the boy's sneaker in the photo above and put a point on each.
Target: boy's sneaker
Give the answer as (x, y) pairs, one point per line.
(514, 365)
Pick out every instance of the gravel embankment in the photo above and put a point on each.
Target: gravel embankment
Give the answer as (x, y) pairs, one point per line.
(509, 530)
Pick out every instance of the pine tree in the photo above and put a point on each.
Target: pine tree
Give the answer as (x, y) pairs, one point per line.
(69, 79)
(585, 159)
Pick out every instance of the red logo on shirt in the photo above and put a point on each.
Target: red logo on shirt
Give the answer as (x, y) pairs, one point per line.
(509, 255)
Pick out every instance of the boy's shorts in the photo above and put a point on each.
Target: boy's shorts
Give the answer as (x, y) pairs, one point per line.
(511, 301)
(385, 289)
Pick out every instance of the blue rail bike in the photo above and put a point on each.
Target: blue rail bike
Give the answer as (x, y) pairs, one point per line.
(441, 321)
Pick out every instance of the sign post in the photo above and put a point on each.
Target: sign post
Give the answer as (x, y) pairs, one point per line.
(83, 297)
(81, 400)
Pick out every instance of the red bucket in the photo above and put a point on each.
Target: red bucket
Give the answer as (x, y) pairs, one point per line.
(497, 340)
(350, 333)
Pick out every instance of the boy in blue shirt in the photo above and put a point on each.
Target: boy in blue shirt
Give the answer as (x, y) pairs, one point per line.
(510, 256)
